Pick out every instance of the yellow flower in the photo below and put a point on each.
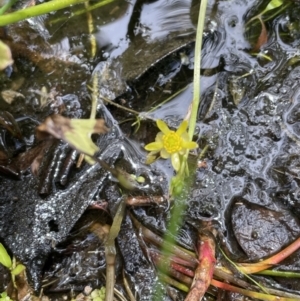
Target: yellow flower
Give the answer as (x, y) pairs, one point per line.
(170, 143)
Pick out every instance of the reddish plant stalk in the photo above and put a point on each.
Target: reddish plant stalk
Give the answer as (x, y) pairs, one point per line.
(249, 268)
(170, 267)
(177, 263)
(158, 241)
(256, 295)
(205, 269)
(263, 37)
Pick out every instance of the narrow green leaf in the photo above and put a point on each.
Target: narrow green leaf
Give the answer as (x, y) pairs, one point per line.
(272, 4)
(4, 257)
(18, 269)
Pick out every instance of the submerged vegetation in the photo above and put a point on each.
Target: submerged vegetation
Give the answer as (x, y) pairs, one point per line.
(156, 233)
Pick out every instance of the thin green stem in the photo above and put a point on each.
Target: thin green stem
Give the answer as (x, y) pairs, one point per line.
(94, 96)
(275, 273)
(7, 6)
(197, 66)
(203, 152)
(168, 99)
(40, 9)
(247, 276)
(81, 11)
(119, 106)
(174, 283)
(176, 183)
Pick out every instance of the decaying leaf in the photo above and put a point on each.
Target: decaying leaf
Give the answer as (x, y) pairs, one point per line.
(5, 56)
(8, 122)
(24, 291)
(10, 95)
(76, 132)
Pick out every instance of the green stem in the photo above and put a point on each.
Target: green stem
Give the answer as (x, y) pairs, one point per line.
(176, 184)
(120, 106)
(110, 250)
(7, 6)
(40, 9)
(275, 273)
(197, 66)
(244, 274)
(81, 11)
(174, 283)
(168, 99)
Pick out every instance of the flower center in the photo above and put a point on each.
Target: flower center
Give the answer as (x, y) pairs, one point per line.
(172, 142)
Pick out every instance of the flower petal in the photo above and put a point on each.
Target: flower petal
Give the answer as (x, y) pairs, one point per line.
(150, 158)
(154, 146)
(162, 126)
(164, 154)
(175, 161)
(153, 153)
(185, 136)
(189, 144)
(159, 136)
(182, 128)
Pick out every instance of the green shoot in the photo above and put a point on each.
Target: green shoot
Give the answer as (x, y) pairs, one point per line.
(4, 297)
(6, 261)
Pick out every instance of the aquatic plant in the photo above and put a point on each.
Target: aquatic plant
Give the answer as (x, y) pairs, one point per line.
(171, 144)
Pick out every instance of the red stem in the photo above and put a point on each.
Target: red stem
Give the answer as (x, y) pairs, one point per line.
(228, 287)
(205, 269)
(267, 263)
